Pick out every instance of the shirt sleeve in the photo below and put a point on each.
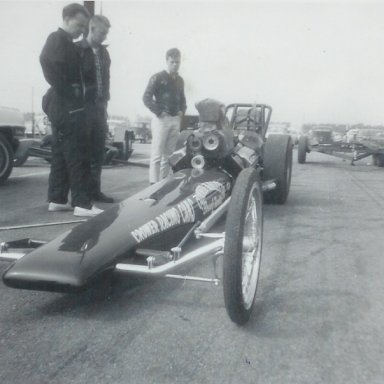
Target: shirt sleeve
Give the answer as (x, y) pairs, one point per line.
(52, 60)
(148, 97)
(107, 75)
(183, 101)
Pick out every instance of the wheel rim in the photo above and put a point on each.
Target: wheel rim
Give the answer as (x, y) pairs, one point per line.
(4, 159)
(251, 250)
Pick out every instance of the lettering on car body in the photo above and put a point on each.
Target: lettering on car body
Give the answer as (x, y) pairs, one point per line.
(207, 197)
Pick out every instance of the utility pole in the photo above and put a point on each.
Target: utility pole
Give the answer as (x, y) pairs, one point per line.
(90, 6)
(33, 115)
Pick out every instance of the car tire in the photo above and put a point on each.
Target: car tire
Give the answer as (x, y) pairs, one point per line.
(19, 161)
(6, 158)
(302, 149)
(379, 160)
(277, 164)
(240, 269)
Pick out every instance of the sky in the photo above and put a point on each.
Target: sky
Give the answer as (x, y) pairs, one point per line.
(313, 62)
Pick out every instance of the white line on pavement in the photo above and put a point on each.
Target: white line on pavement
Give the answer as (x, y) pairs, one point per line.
(30, 174)
(139, 160)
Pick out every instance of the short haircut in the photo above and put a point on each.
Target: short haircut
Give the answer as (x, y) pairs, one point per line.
(71, 10)
(174, 53)
(99, 19)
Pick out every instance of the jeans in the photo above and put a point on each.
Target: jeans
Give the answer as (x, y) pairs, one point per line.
(70, 165)
(165, 132)
(97, 129)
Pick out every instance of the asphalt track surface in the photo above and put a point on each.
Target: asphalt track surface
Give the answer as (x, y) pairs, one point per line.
(318, 316)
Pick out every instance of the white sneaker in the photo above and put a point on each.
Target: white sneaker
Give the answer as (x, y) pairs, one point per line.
(94, 211)
(56, 207)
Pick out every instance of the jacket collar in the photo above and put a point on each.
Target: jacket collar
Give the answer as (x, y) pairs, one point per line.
(85, 44)
(66, 35)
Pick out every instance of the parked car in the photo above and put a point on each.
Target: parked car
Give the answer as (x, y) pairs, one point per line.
(119, 142)
(12, 129)
(142, 131)
(42, 126)
(189, 122)
(277, 129)
(118, 146)
(294, 136)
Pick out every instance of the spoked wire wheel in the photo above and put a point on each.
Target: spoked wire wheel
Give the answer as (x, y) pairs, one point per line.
(243, 246)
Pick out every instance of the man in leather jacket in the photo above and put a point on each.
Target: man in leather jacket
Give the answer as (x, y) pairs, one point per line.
(96, 63)
(165, 97)
(64, 105)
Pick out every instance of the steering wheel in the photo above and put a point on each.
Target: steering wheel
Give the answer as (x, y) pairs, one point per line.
(248, 119)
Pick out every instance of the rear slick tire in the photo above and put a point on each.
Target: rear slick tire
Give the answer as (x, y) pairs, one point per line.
(278, 166)
(243, 246)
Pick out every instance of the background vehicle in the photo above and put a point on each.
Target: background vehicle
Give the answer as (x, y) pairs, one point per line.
(283, 128)
(142, 131)
(278, 129)
(12, 129)
(294, 135)
(37, 126)
(317, 139)
(373, 141)
(355, 145)
(118, 146)
(189, 122)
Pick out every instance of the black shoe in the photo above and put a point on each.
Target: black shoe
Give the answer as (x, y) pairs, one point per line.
(103, 198)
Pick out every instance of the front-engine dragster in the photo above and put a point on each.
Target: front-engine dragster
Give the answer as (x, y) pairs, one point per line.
(226, 166)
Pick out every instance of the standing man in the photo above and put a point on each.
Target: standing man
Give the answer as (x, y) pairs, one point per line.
(95, 67)
(64, 105)
(165, 97)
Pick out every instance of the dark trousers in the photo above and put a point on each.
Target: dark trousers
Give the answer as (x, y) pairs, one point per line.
(97, 126)
(70, 165)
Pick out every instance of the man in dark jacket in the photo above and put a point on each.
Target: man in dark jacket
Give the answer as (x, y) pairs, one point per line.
(95, 68)
(164, 96)
(64, 105)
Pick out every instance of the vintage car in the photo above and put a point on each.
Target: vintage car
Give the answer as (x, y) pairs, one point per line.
(354, 146)
(12, 129)
(373, 141)
(118, 146)
(321, 139)
(142, 132)
(318, 139)
(225, 166)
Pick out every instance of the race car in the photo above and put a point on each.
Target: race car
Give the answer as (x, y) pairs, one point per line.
(225, 167)
(356, 145)
(318, 139)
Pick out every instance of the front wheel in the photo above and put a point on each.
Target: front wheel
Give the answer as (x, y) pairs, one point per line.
(378, 160)
(243, 246)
